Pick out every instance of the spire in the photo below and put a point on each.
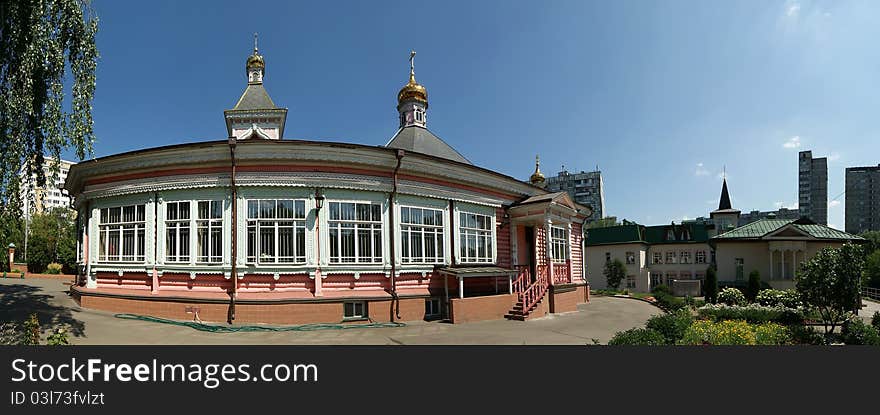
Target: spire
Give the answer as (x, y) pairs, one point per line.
(537, 178)
(412, 100)
(724, 203)
(256, 66)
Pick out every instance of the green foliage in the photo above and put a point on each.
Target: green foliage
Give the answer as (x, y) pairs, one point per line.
(801, 334)
(31, 332)
(669, 302)
(603, 222)
(53, 268)
(872, 270)
(11, 229)
(52, 239)
(873, 238)
(637, 337)
(875, 320)
(754, 285)
(615, 271)
(829, 283)
(58, 338)
(855, 331)
(778, 298)
(711, 286)
(671, 326)
(39, 41)
(661, 289)
(751, 313)
(731, 296)
(735, 332)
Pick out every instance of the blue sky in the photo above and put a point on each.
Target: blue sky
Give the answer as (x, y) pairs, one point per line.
(659, 94)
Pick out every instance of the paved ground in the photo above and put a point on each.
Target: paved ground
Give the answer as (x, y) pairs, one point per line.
(869, 307)
(599, 320)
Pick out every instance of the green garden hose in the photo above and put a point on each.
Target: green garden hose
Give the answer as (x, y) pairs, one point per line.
(234, 329)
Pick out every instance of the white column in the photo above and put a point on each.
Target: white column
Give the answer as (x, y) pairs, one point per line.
(548, 249)
(460, 287)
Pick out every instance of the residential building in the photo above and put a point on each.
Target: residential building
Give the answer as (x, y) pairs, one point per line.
(862, 200)
(258, 228)
(781, 213)
(676, 255)
(813, 187)
(585, 188)
(38, 199)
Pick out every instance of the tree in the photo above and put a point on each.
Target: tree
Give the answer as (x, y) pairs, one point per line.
(830, 282)
(11, 232)
(614, 272)
(872, 270)
(873, 244)
(39, 40)
(711, 289)
(603, 222)
(754, 285)
(52, 238)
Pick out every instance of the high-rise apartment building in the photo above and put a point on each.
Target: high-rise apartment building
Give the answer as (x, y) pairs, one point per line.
(813, 187)
(584, 187)
(40, 199)
(862, 199)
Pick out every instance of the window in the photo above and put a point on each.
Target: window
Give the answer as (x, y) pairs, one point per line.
(685, 257)
(209, 228)
(670, 276)
(355, 232)
(685, 275)
(608, 257)
(630, 257)
(558, 244)
(121, 234)
(354, 309)
(630, 281)
(700, 275)
(701, 257)
(670, 257)
(475, 234)
(432, 307)
(656, 279)
(276, 231)
(739, 268)
(658, 257)
(421, 235)
(177, 232)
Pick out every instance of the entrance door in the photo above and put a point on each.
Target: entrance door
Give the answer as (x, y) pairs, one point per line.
(530, 244)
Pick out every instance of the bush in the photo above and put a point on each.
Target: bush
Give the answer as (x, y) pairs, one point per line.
(731, 296)
(637, 337)
(779, 298)
(754, 285)
(671, 326)
(53, 268)
(770, 334)
(58, 338)
(855, 331)
(752, 313)
(711, 286)
(735, 332)
(875, 320)
(806, 335)
(669, 302)
(661, 289)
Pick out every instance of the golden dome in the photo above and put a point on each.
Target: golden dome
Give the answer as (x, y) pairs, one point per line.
(256, 60)
(412, 90)
(537, 178)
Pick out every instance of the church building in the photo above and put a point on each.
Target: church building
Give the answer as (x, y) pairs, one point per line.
(259, 228)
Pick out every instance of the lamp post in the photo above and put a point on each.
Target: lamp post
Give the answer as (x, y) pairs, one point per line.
(11, 255)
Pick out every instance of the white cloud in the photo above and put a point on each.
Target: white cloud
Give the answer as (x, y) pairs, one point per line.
(834, 157)
(834, 203)
(700, 170)
(792, 9)
(793, 142)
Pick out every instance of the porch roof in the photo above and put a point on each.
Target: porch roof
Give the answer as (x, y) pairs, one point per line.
(486, 271)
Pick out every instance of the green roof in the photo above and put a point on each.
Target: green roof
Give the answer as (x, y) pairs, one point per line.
(615, 235)
(634, 233)
(763, 227)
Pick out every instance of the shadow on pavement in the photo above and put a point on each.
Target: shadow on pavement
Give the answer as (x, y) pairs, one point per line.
(17, 302)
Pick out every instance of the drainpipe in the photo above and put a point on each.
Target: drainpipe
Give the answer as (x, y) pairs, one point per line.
(87, 240)
(231, 313)
(395, 301)
(155, 281)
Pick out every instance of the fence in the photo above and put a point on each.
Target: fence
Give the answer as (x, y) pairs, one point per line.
(872, 293)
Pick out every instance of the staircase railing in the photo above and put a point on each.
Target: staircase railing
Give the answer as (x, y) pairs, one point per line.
(562, 272)
(523, 279)
(536, 290)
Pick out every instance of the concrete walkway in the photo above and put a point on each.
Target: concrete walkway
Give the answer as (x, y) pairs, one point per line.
(600, 319)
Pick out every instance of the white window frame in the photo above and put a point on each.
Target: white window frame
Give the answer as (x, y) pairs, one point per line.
(629, 254)
(260, 223)
(630, 281)
(374, 227)
(671, 257)
(658, 257)
(558, 244)
(423, 232)
(684, 257)
(174, 226)
(435, 311)
(210, 224)
(106, 229)
(464, 233)
(364, 312)
(700, 257)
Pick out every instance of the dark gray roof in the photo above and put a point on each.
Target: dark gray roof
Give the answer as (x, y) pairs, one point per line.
(254, 97)
(420, 140)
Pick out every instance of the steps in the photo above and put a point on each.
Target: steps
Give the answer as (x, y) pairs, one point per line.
(517, 313)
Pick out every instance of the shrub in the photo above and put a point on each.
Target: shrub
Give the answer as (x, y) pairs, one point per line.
(806, 335)
(711, 285)
(754, 285)
(54, 268)
(671, 326)
(855, 331)
(637, 337)
(731, 332)
(731, 296)
(772, 334)
(779, 298)
(661, 289)
(875, 320)
(752, 313)
(31, 332)
(58, 338)
(669, 302)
